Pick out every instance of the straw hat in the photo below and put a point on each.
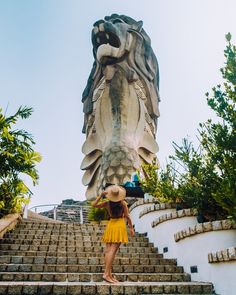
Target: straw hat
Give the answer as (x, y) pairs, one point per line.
(115, 193)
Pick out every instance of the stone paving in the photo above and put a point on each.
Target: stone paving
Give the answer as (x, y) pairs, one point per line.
(53, 258)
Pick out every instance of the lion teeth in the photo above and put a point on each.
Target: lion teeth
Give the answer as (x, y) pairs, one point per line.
(95, 30)
(107, 36)
(101, 27)
(98, 40)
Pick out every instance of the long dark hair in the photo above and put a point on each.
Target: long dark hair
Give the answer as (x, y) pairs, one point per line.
(116, 209)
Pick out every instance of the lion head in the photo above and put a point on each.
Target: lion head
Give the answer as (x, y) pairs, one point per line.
(120, 38)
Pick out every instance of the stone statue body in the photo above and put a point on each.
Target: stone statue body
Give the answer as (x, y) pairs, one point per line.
(120, 104)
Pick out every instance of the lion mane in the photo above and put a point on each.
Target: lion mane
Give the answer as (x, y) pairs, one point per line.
(141, 60)
(120, 103)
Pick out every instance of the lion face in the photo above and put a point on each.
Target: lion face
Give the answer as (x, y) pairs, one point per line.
(111, 39)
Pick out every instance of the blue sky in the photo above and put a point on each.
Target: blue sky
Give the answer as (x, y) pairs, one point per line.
(46, 57)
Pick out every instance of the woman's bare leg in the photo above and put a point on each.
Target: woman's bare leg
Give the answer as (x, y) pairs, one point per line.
(116, 248)
(109, 258)
(107, 271)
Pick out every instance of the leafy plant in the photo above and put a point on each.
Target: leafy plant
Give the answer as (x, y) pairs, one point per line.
(219, 139)
(149, 177)
(17, 159)
(198, 181)
(206, 176)
(97, 214)
(158, 182)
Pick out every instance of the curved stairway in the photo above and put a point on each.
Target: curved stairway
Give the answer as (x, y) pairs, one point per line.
(67, 258)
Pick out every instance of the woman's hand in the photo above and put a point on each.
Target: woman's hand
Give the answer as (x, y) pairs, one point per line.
(131, 232)
(96, 203)
(103, 194)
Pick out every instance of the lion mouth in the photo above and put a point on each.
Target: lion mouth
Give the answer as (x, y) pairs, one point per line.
(106, 38)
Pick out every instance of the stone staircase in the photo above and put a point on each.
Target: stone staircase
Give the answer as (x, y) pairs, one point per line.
(40, 257)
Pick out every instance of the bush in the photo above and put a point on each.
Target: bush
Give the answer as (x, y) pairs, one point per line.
(206, 176)
(17, 159)
(97, 214)
(158, 182)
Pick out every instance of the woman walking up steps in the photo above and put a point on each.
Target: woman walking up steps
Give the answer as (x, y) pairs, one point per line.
(116, 231)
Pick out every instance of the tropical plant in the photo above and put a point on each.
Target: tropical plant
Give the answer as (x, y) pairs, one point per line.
(17, 160)
(219, 139)
(148, 177)
(97, 214)
(158, 182)
(198, 181)
(206, 176)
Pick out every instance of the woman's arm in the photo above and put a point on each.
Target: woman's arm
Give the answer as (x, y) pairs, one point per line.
(101, 205)
(126, 214)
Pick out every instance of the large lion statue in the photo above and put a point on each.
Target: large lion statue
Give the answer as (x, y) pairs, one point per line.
(120, 103)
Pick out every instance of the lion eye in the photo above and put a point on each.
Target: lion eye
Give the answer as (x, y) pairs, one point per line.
(117, 20)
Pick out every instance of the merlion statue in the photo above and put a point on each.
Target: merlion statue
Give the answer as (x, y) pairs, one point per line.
(120, 103)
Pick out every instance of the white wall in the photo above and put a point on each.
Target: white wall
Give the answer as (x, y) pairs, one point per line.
(192, 250)
(162, 235)
(144, 223)
(223, 276)
(134, 214)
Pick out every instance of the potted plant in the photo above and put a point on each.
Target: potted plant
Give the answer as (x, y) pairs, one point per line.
(97, 215)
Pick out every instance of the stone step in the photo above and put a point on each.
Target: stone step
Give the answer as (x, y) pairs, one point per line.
(68, 258)
(77, 254)
(102, 288)
(43, 224)
(67, 233)
(123, 248)
(93, 277)
(59, 268)
(58, 229)
(82, 260)
(71, 243)
(61, 230)
(68, 237)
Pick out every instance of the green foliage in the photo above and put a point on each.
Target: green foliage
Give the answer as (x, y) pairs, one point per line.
(97, 214)
(198, 180)
(206, 176)
(150, 178)
(219, 139)
(17, 159)
(159, 185)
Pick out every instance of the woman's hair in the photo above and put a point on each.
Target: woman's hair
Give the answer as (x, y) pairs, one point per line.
(117, 209)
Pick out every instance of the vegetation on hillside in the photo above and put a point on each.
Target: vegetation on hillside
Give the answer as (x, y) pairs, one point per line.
(206, 176)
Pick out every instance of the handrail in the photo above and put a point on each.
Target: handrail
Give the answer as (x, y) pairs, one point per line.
(55, 209)
(61, 205)
(46, 205)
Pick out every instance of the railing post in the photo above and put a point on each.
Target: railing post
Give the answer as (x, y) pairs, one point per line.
(25, 213)
(81, 215)
(55, 213)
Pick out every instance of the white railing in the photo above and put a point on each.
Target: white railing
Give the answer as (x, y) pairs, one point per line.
(59, 209)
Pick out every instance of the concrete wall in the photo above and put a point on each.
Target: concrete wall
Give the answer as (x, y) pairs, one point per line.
(192, 250)
(163, 234)
(134, 214)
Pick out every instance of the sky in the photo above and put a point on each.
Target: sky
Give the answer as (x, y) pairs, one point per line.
(46, 57)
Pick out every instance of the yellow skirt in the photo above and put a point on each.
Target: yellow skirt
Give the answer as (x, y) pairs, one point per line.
(115, 231)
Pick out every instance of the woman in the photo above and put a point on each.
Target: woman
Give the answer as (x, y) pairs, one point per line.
(115, 232)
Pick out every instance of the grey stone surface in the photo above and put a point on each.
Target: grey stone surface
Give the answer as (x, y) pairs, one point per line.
(124, 90)
(140, 269)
